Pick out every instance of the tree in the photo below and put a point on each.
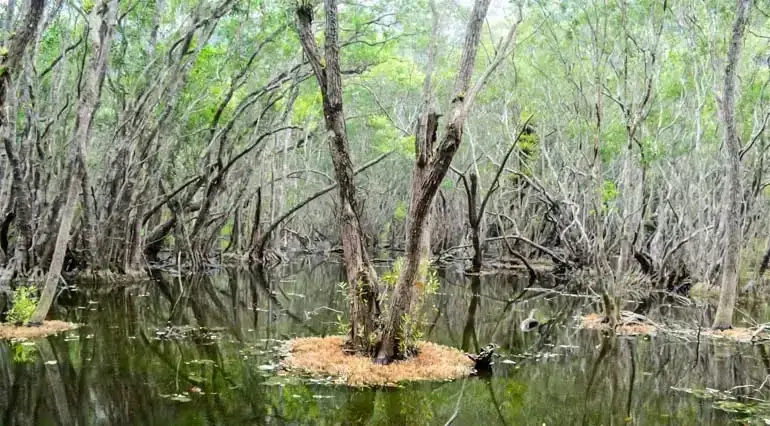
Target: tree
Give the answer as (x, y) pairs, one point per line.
(10, 63)
(361, 277)
(731, 209)
(430, 168)
(100, 26)
(425, 184)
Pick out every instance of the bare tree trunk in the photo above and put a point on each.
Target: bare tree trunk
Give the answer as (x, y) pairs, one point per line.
(362, 280)
(9, 66)
(424, 189)
(102, 21)
(474, 220)
(57, 261)
(425, 138)
(731, 210)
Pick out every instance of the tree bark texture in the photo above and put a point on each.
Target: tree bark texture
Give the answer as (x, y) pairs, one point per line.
(731, 213)
(424, 190)
(9, 67)
(101, 23)
(361, 278)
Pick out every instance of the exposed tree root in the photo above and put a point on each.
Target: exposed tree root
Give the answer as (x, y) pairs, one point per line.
(325, 357)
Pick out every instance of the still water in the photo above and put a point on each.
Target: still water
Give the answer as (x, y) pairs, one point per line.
(142, 358)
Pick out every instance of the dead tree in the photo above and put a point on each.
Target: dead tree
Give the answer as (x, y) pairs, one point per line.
(476, 215)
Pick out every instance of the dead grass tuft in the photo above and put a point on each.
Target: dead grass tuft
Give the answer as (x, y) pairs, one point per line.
(634, 325)
(324, 357)
(629, 326)
(10, 331)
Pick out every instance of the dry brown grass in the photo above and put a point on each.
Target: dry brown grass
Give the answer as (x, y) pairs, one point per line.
(738, 334)
(324, 357)
(10, 331)
(642, 326)
(594, 321)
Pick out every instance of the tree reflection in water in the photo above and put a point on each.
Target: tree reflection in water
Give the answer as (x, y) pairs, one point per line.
(118, 369)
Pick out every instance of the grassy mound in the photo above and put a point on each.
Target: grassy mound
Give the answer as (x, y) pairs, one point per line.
(324, 357)
(628, 326)
(740, 334)
(636, 325)
(10, 331)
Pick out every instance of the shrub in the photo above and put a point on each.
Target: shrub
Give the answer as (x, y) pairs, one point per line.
(24, 305)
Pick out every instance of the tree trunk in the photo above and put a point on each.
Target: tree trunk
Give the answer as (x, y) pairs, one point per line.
(60, 250)
(474, 217)
(424, 190)
(9, 66)
(361, 278)
(731, 210)
(102, 21)
(425, 138)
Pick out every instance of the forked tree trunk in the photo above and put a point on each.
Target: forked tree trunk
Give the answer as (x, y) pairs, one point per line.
(101, 23)
(424, 189)
(361, 278)
(731, 211)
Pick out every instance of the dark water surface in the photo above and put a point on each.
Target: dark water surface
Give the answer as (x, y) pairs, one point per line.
(125, 367)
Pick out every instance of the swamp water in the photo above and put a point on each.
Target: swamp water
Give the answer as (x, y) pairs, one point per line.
(125, 365)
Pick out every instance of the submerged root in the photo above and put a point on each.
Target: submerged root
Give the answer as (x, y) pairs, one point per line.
(326, 357)
(23, 332)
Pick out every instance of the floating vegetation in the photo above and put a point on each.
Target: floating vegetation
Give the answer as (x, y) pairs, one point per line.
(182, 332)
(324, 358)
(752, 410)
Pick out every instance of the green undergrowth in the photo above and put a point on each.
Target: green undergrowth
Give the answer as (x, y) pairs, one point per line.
(24, 305)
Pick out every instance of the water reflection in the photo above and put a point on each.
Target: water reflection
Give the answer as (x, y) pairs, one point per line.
(201, 351)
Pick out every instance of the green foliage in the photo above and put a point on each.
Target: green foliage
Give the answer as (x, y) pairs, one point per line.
(386, 137)
(447, 184)
(609, 191)
(226, 234)
(401, 210)
(343, 326)
(307, 105)
(24, 305)
(414, 322)
(613, 139)
(390, 277)
(23, 352)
